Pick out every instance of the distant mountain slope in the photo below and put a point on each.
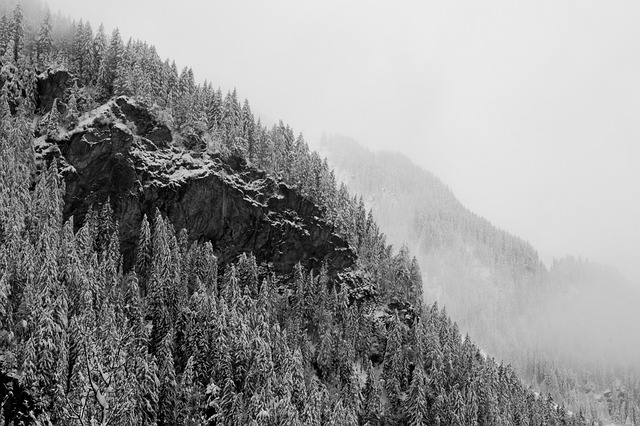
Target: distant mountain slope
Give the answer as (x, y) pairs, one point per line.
(391, 179)
(468, 264)
(567, 322)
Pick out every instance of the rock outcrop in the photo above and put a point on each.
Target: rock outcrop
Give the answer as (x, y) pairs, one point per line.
(42, 89)
(121, 152)
(52, 84)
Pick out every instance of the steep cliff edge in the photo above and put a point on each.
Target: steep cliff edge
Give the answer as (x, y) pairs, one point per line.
(122, 152)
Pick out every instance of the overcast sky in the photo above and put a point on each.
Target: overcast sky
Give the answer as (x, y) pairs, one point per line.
(529, 111)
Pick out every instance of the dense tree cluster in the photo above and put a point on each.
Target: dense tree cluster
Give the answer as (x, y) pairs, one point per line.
(181, 338)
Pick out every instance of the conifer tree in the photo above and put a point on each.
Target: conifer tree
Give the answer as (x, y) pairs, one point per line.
(372, 404)
(78, 57)
(53, 120)
(168, 385)
(417, 403)
(144, 255)
(8, 55)
(188, 403)
(5, 34)
(17, 32)
(147, 387)
(98, 50)
(44, 43)
(72, 114)
(248, 128)
(86, 47)
(5, 112)
(111, 66)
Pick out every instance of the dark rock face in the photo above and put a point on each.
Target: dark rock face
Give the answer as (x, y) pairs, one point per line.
(122, 152)
(18, 404)
(405, 311)
(51, 85)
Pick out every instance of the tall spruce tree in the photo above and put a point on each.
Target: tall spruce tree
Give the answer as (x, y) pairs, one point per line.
(44, 43)
(5, 34)
(111, 66)
(17, 32)
(98, 50)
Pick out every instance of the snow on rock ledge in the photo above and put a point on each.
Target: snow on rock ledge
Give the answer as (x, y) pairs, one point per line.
(122, 152)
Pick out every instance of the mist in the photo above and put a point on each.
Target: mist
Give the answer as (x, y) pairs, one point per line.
(527, 111)
(569, 329)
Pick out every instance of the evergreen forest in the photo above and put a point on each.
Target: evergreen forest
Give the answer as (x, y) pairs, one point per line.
(115, 310)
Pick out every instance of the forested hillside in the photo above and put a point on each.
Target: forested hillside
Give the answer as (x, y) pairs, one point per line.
(569, 330)
(167, 259)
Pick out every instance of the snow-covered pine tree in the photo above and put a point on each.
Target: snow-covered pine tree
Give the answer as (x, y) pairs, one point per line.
(44, 42)
(53, 120)
(5, 31)
(98, 49)
(110, 68)
(17, 32)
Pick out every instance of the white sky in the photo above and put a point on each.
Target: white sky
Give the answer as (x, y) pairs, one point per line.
(529, 111)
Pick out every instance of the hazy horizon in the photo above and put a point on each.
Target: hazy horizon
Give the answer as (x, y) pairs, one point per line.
(526, 111)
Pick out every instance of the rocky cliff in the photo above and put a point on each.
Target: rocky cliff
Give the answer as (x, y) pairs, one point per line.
(122, 152)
